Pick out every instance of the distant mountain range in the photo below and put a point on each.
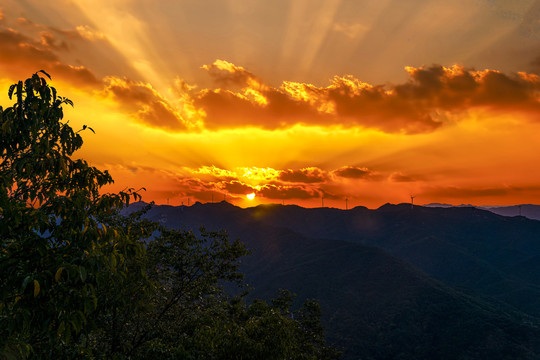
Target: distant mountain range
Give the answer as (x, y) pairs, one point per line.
(396, 282)
(528, 210)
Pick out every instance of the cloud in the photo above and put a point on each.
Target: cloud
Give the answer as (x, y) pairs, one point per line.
(214, 173)
(48, 40)
(353, 172)
(236, 188)
(300, 186)
(400, 177)
(269, 109)
(307, 175)
(415, 106)
(266, 182)
(88, 33)
(80, 33)
(458, 88)
(20, 56)
(280, 184)
(192, 187)
(226, 73)
(144, 103)
(277, 192)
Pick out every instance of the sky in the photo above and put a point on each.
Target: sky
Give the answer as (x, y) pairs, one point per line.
(340, 103)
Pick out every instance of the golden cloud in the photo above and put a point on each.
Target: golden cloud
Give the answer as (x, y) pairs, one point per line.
(412, 107)
(278, 184)
(226, 73)
(277, 192)
(144, 103)
(236, 188)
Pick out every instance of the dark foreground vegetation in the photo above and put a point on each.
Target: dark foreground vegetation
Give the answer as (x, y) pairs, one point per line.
(78, 280)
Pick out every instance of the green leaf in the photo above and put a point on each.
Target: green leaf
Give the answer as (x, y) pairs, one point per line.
(61, 329)
(82, 273)
(25, 282)
(36, 288)
(113, 260)
(58, 274)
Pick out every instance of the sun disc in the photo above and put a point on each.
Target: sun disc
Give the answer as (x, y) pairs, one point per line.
(251, 196)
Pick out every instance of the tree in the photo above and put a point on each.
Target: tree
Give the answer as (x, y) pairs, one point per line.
(82, 280)
(53, 250)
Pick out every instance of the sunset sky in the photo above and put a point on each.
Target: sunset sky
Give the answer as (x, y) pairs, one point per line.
(294, 100)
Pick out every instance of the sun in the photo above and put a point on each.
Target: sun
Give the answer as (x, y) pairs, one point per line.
(251, 196)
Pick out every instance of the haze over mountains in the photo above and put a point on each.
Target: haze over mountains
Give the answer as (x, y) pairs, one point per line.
(396, 282)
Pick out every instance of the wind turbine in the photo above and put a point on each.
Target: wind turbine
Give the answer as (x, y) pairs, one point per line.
(412, 201)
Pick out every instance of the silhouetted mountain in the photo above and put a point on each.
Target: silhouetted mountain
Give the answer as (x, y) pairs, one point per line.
(447, 205)
(465, 247)
(374, 304)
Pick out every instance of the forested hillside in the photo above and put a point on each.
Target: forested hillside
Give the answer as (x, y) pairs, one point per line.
(381, 301)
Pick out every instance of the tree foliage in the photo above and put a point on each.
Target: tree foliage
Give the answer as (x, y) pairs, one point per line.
(55, 253)
(80, 280)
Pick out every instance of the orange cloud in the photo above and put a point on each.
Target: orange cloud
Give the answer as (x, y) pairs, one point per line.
(144, 103)
(21, 56)
(457, 88)
(353, 172)
(214, 173)
(227, 109)
(400, 177)
(307, 175)
(196, 189)
(277, 192)
(236, 188)
(80, 33)
(226, 73)
(274, 184)
(417, 106)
